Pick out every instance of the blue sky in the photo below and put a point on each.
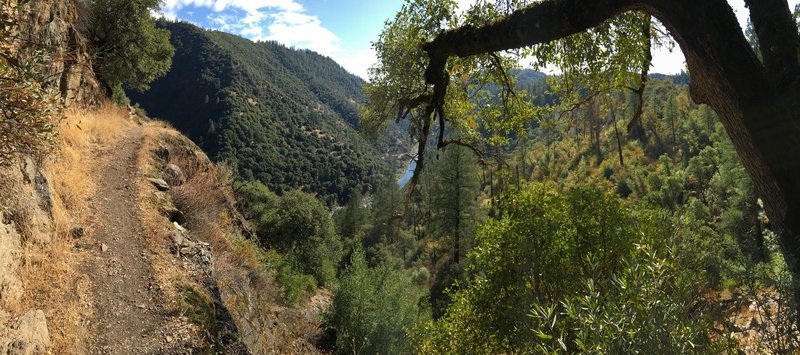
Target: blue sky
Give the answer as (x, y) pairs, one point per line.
(340, 29)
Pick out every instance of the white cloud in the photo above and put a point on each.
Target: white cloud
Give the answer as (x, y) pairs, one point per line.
(284, 21)
(304, 31)
(357, 62)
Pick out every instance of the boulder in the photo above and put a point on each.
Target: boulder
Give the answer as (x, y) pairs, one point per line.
(179, 227)
(177, 239)
(33, 327)
(197, 251)
(10, 256)
(28, 336)
(174, 175)
(160, 184)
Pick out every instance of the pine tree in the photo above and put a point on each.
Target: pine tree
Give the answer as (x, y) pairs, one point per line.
(454, 206)
(454, 216)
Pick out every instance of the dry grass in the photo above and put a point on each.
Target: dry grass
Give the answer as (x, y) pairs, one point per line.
(49, 274)
(155, 226)
(240, 266)
(171, 273)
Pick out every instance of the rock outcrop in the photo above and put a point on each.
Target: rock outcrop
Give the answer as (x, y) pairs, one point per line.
(58, 28)
(26, 335)
(10, 256)
(160, 184)
(174, 175)
(26, 211)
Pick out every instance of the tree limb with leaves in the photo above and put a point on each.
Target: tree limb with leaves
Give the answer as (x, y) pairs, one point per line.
(757, 101)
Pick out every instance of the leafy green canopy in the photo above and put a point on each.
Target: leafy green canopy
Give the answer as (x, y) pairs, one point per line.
(130, 49)
(296, 224)
(372, 308)
(574, 271)
(611, 55)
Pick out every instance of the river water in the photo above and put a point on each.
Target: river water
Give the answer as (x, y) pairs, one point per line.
(408, 174)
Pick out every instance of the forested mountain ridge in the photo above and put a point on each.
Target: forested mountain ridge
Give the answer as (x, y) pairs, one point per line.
(282, 116)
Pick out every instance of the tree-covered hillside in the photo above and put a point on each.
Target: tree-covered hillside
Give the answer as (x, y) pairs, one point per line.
(285, 117)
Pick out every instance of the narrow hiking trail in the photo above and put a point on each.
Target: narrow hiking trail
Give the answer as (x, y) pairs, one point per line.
(128, 309)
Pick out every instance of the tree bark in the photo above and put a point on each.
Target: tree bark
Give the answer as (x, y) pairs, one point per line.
(758, 104)
(634, 127)
(616, 134)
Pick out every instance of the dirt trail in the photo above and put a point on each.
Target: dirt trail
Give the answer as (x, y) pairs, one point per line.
(129, 316)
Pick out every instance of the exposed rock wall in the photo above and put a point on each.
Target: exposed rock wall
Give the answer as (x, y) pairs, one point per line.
(24, 335)
(25, 219)
(52, 31)
(58, 28)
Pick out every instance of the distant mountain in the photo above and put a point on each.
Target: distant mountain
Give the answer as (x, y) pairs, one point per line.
(681, 78)
(283, 116)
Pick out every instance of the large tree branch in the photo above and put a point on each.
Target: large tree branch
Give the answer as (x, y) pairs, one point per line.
(539, 23)
(726, 73)
(478, 153)
(404, 106)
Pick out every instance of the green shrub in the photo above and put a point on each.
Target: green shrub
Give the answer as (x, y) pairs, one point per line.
(570, 272)
(372, 308)
(294, 284)
(297, 225)
(300, 225)
(118, 95)
(643, 308)
(420, 276)
(198, 306)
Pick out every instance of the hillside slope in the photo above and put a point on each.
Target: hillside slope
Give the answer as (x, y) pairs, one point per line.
(282, 116)
(97, 259)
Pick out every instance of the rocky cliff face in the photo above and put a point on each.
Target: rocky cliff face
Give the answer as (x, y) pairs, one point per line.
(51, 31)
(57, 28)
(25, 211)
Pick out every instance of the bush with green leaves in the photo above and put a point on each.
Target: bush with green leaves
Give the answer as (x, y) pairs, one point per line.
(372, 308)
(131, 51)
(644, 308)
(294, 284)
(297, 225)
(28, 110)
(570, 271)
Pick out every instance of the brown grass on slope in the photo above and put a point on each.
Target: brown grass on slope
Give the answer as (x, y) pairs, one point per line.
(48, 272)
(241, 271)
